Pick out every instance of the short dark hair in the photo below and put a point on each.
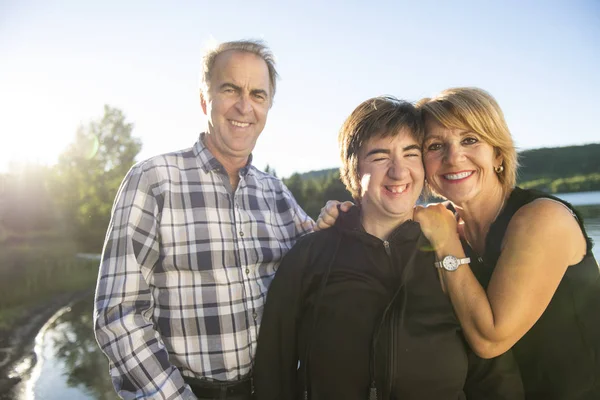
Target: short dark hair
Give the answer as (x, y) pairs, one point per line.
(381, 116)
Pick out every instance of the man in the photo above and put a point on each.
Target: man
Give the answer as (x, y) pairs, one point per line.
(193, 243)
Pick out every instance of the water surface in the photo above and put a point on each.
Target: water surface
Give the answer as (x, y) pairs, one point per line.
(71, 366)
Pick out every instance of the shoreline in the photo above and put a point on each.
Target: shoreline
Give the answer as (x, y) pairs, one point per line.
(18, 342)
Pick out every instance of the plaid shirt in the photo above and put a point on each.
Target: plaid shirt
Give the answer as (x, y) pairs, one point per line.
(185, 270)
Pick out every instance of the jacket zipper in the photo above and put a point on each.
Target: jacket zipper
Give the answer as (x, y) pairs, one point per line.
(373, 392)
(386, 245)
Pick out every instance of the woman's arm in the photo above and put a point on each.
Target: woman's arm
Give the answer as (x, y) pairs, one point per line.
(541, 241)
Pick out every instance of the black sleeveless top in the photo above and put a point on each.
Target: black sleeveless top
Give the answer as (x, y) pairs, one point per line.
(559, 357)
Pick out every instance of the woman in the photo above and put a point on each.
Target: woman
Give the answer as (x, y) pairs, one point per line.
(533, 282)
(354, 312)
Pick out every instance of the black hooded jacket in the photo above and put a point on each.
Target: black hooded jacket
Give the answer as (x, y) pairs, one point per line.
(352, 317)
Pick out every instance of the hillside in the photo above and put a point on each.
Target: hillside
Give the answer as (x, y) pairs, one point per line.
(559, 162)
(544, 164)
(319, 174)
(554, 170)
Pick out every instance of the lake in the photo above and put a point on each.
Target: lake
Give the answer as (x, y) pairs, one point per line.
(70, 365)
(588, 204)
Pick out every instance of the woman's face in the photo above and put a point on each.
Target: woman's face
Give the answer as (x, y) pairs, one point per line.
(391, 175)
(459, 165)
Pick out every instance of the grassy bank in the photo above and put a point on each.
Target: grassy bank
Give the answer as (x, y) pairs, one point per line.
(33, 270)
(578, 183)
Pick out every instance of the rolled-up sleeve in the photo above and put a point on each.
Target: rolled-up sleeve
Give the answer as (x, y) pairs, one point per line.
(123, 307)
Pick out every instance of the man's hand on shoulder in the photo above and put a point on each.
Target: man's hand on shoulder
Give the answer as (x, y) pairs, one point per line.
(330, 212)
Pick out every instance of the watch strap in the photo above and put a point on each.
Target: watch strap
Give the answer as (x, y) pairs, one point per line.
(461, 261)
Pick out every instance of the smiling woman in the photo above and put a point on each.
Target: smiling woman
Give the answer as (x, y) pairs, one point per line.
(357, 311)
(532, 283)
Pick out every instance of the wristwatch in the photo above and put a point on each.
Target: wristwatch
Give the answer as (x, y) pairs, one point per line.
(451, 263)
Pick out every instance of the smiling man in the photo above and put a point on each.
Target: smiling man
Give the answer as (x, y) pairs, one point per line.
(193, 244)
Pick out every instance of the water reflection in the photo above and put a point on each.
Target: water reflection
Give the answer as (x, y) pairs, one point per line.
(591, 217)
(71, 366)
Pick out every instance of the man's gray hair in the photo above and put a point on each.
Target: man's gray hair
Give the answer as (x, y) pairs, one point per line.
(257, 47)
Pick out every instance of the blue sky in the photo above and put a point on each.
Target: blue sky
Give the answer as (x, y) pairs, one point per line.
(61, 61)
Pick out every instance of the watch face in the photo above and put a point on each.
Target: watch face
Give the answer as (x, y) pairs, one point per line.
(450, 263)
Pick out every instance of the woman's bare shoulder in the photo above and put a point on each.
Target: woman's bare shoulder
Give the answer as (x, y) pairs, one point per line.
(551, 222)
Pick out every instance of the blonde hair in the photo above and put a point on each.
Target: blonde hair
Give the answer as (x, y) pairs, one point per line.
(382, 116)
(476, 110)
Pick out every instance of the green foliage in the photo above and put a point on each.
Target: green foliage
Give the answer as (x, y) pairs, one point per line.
(553, 170)
(270, 170)
(48, 214)
(559, 162)
(74, 197)
(318, 174)
(577, 183)
(589, 211)
(313, 191)
(33, 271)
(539, 184)
(88, 175)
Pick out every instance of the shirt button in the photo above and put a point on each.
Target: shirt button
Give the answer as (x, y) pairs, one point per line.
(254, 315)
(247, 270)
(241, 233)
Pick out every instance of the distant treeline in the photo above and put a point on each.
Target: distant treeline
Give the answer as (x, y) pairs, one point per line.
(561, 169)
(553, 170)
(72, 200)
(313, 189)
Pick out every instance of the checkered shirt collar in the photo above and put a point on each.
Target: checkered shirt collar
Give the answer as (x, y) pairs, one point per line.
(209, 162)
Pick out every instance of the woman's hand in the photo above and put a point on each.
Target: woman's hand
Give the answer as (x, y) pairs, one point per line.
(330, 213)
(541, 241)
(437, 223)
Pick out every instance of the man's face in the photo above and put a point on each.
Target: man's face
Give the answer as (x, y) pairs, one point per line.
(236, 104)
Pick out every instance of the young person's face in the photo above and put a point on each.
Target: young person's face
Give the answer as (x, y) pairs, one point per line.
(391, 175)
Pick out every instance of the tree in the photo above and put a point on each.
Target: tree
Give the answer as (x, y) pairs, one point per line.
(295, 184)
(313, 190)
(270, 170)
(89, 172)
(334, 189)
